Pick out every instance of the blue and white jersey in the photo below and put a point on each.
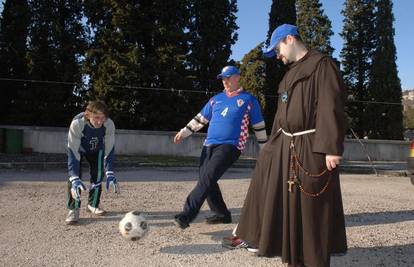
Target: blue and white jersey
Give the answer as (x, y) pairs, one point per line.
(229, 117)
(84, 139)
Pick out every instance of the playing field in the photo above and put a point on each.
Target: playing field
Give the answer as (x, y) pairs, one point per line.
(379, 217)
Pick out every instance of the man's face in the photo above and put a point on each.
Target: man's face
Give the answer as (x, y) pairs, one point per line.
(231, 83)
(97, 119)
(284, 50)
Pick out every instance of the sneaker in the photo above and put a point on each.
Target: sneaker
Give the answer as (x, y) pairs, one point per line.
(181, 221)
(252, 249)
(215, 219)
(73, 216)
(96, 211)
(234, 242)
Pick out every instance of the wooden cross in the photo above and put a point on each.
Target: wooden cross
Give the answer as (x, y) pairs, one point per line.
(290, 183)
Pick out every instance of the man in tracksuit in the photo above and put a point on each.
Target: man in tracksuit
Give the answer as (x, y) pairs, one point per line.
(91, 136)
(228, 115)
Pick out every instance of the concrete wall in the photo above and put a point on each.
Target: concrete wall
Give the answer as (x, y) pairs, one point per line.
(135, 142)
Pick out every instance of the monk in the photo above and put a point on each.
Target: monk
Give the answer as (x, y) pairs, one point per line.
(293, 208)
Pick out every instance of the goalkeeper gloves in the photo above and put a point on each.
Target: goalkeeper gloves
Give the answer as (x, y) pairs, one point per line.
(111, 182)
(77, 186)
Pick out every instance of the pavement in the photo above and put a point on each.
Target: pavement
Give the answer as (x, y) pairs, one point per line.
(44, 161)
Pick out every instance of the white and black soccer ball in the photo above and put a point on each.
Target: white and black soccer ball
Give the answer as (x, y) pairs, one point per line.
(133, 226)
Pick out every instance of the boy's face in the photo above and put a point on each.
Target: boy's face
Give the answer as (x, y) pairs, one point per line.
(97, 119)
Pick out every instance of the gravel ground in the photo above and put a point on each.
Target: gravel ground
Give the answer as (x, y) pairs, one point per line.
(379, 218)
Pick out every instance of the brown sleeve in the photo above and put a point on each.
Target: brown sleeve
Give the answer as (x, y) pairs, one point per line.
(330, 126)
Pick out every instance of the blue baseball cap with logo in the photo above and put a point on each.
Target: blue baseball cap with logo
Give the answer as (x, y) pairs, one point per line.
(278, 34)
(228, 71)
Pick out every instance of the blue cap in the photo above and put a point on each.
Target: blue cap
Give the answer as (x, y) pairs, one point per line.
(278, 34)
(228, 71)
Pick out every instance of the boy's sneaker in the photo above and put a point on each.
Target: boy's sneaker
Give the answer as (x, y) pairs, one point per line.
(96, 211)
(181, 221)
(73, 216)
(215, 219)
(234, 242)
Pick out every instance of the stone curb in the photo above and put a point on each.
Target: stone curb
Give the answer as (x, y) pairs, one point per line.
(346, 168)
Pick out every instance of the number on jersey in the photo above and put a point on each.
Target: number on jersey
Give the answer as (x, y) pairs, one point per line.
(224, 112)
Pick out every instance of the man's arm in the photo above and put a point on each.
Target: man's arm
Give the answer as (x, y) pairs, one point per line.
(260, 133)
(258, 123)
(111, 181)
(198, 122)
(330, 125)
(74, 141)
(109, 145)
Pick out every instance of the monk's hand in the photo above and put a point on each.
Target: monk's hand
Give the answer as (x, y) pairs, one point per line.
(332, 161)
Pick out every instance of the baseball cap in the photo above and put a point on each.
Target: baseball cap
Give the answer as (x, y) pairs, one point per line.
(278, 34)
(228, 71)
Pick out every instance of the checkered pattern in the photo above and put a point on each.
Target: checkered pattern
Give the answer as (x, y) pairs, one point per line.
(244, 132)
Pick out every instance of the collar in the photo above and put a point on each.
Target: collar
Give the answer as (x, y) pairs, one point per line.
(234, 93)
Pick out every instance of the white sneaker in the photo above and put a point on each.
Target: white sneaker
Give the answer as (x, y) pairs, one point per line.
(73, 216)
(96, 211)
(252, 250)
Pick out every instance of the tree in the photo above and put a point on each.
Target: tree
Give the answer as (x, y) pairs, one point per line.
(356, 54)
(281, 11)
(253, 77)
(385, 121)
(409, 118)
(56, 48)
(135, 46)
(212, 33)
(14, 28)
(314, 26)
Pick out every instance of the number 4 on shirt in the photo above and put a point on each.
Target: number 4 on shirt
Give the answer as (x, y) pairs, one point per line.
(224, 112)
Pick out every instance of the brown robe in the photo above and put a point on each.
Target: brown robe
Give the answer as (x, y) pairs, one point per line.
(293, 225)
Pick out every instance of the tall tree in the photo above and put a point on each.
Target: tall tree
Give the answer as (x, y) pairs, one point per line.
(281, 11)
(314, 26)
(14, 28)
(253, 76)
(409, 117)
(385, 121)
(212, 33)
(141, 44)
(57, 45)
(356, 54)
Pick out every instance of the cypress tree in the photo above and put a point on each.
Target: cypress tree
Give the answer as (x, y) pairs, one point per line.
(212, 32)
(253, 76)
(136, 45)
(356, 54)
(314, 26)
(14, 27)
(57, 44)
(282, 11)
(385, 121)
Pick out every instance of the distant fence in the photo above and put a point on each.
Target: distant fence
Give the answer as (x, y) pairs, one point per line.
(136, 142)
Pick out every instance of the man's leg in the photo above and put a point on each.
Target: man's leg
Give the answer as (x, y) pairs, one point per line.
(215, 160)
(72, 204)
(96, 171)
(224, 156)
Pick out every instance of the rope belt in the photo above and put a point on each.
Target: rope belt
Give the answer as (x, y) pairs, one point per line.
(297, 133)
(295, 164)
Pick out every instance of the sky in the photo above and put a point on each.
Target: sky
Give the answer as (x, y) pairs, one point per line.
(252, 19)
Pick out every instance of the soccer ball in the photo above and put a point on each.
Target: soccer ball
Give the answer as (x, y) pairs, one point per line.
(133, 226)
